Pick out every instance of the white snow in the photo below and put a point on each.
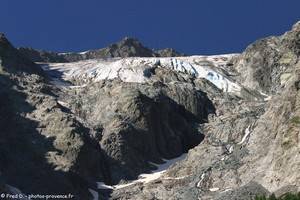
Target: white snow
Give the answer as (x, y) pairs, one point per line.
(226, 190)
(83, 52)
(231, 148)
(201, 180)
(266, 97)
(102, 185)
(214, 189)
(160, 169)
(146, 178)
(202, 71)
(134, 69)
(95, 194)
(247, 133)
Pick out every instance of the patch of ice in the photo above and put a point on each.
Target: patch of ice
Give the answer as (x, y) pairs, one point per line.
(201, 180)
(226, 190)
(102, 185)
(266, 97)
(231, 148)
(247, 133)
(214, 189)
(83, 52)
(175, 178)
(120, 186)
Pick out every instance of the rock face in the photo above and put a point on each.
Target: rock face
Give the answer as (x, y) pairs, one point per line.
(44, 148)
(141, 123)
(249, 146)
(267, 64)
(90, 124)
(127, 47)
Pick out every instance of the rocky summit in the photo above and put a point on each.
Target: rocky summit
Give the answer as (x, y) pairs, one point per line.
(128, 122)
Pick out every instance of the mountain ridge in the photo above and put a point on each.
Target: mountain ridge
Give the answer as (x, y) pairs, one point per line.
(127, 47)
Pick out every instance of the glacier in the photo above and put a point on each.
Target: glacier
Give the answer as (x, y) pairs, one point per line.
(136, 69)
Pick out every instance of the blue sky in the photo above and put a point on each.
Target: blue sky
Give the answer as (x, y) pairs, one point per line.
(190, 26)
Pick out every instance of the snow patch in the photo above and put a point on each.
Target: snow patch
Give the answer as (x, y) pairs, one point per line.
(246, 135)
(146, 178)
(102, 185)
(83, 52)
(226, 190)
(201, 180)
(214, 189)
(266, 97)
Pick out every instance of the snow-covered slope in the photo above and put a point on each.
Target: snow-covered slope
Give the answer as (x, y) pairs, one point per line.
(139, 69)
(146, 178)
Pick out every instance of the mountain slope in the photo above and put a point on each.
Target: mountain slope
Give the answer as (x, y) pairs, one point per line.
(106, 124)
(250, 147)
(36, 134)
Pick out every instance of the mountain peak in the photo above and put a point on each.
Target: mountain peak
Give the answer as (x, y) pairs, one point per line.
(130, 40)
(4, 41)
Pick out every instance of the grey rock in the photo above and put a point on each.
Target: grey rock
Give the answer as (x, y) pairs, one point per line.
(266, 64)
(142, 122)
(127, 47)
(247, 192)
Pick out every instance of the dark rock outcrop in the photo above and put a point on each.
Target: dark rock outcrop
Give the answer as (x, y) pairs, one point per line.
(168, 52)
(127, 47)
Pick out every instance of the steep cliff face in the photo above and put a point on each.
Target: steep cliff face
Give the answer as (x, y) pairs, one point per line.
(100, 126)
(267, 64)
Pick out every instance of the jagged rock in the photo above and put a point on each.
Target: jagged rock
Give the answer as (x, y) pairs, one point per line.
(142, 123)
(127, 47)
(267, 64)
(14, 62)
(247, 192)
(168, 52)
(41, 56)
